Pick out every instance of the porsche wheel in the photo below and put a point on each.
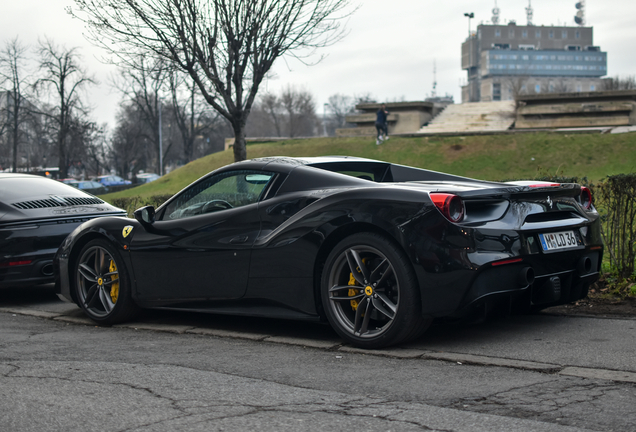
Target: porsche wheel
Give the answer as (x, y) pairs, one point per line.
(370, 292)
(102, 284)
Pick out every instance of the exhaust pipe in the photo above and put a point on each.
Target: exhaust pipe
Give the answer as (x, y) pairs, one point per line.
(47, 269)
(584, 266)
(525, 277)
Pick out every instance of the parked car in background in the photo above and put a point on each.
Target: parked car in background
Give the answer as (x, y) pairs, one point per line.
(376, 249)
(36, 215)
(89, 186)
(111, 180)
(147, 177)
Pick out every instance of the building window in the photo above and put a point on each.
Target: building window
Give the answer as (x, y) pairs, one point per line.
(537, 88)
(578, 88)
(564, 34)
(551, 34)
(577, 34)
(551, 88)
(537, 34)
(592, 87)
(524, 34)
(497, 33)
(511, 33)
(496, 91)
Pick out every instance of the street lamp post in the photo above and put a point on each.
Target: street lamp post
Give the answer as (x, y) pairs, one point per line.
(160, 142)
(324, 118)
(469, 15)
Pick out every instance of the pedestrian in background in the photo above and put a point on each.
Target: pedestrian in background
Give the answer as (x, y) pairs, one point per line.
(381, 126)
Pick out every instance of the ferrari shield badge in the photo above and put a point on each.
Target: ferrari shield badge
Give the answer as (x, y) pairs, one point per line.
(127, 230)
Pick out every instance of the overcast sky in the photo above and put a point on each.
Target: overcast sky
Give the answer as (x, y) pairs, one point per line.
(389, 51)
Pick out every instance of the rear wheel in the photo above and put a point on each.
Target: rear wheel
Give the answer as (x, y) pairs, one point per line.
(370, 292)
(102, 284)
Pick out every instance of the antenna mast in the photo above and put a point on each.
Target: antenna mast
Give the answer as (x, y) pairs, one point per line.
(495, 14)
(434, 92)
(579, 18)
(529, 12)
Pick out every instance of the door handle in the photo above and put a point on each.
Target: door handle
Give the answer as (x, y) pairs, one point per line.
(239, 239)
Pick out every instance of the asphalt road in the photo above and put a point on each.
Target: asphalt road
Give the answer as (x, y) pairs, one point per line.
(174, 371)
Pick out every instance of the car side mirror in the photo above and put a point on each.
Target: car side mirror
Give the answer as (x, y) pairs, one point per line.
(145, 215)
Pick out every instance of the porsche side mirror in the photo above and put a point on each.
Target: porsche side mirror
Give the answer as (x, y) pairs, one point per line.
(145, 215)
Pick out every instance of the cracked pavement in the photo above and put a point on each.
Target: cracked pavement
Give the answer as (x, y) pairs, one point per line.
(67, 375)
(128, 397)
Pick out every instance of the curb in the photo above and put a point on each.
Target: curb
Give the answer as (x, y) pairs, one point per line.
(337, 346)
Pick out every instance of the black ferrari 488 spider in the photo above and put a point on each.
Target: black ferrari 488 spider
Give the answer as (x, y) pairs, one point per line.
(36, 215)
(376, 249)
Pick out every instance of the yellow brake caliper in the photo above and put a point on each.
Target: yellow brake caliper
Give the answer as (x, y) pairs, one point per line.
(114, 288)
(353, 292)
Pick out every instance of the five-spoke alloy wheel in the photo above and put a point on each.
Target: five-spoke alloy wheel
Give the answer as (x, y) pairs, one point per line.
(102, 284)
(370, 292)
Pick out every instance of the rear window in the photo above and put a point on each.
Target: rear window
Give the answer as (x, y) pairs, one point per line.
(372, 171)
(17, 189)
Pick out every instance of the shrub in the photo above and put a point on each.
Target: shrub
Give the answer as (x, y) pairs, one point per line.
(618, 216)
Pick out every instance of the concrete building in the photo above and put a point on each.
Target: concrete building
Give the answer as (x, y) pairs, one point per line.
(504, 61)
(404, 117)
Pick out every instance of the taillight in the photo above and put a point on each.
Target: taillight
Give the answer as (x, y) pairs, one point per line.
(538, 185)
(16, 263)
(451, 206)
(586, 198)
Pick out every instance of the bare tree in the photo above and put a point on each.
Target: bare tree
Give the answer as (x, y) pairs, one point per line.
(193, 117)
(364, 98)
(227, 46)
(339, 107)
(300, 111)
(128, 152)
(64, 76)
(561, 86)
(518, 87)
(96, 148)
(143, 87)
(619, 83)
(13, 72)
(291, 114)
(271, 105)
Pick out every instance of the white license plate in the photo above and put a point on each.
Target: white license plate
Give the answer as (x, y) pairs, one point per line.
(558, 240)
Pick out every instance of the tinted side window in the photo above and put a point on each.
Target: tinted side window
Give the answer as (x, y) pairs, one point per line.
(218, 193)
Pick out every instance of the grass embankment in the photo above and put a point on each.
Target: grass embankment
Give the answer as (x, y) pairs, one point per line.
(488, 157)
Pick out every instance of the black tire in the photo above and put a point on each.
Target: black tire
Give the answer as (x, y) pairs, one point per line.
(370, 292)
(102, 285)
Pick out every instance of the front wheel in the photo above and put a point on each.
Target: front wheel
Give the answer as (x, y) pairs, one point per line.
(102, 284)
(370, 292)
